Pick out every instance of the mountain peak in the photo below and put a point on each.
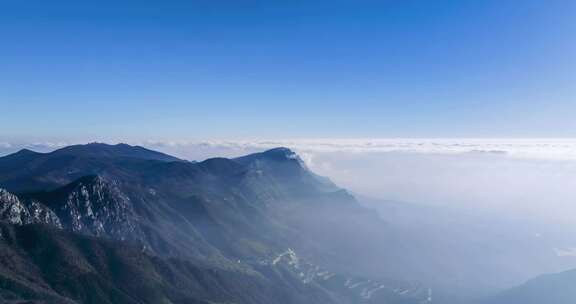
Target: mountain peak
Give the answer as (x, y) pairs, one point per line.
(281, 152)
(276, 155)
(90, 179)
(102, 150)
(23, 153)
(287, 159)
(5, 195)
(26, 152)
(97, 183)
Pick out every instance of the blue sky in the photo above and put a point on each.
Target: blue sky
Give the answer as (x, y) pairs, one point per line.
(130, 70)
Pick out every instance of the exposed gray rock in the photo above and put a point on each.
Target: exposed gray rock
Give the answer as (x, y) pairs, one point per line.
(11, 209)
(96, 207)
(15, 211)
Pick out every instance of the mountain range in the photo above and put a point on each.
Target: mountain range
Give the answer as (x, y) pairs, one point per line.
(117, 224)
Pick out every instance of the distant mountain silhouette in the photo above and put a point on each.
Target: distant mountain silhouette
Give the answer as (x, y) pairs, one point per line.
(557, 288)
(98, 150)
(27, 170)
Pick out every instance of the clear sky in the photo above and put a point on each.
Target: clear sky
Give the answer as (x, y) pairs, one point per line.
(287, 68)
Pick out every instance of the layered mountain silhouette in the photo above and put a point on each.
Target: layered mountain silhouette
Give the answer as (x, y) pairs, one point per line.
(120, 224)
(556, 288)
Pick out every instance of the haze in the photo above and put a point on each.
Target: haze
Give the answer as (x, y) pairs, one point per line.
(450, 123)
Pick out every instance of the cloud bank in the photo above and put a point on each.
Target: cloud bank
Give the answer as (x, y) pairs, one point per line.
(563, 149)
(535, 148)
(531, 173)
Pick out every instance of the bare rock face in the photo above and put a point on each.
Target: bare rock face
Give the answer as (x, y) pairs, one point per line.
(90, 206)
(11, 209)
(14, 211)
(40, 214)
(96, 207)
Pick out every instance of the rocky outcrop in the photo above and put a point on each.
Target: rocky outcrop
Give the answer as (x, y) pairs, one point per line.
(14, 211)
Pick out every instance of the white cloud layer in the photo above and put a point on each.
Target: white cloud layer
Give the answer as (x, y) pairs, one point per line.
(567, 252)
(535, 148)
(563, 149)
(531, 174)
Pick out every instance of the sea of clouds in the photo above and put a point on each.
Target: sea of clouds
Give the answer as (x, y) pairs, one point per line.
(528, 175)
(462, 193)
(514, 180)
(534, 148)
(562, 149)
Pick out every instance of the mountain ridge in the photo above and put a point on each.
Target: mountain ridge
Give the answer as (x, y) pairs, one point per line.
(555, 288)
(221, 214)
